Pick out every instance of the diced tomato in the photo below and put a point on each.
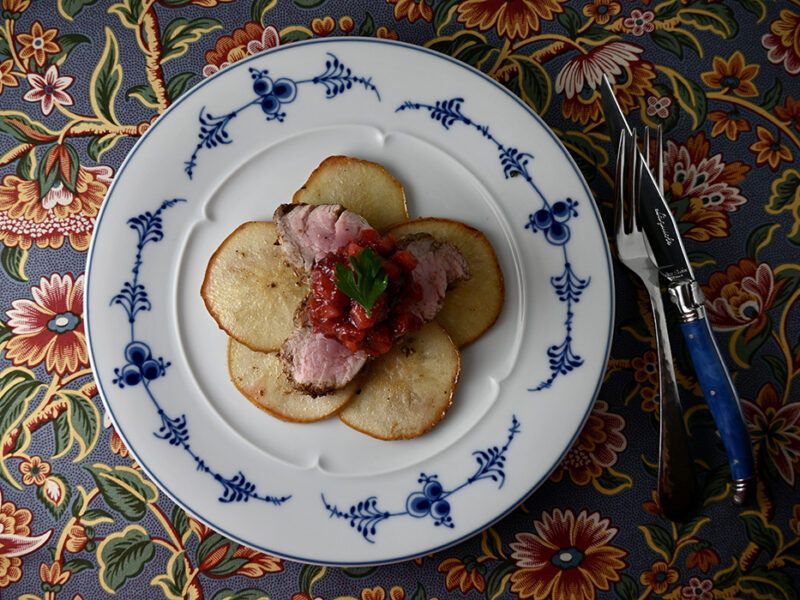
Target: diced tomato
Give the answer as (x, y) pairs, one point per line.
(333, 313)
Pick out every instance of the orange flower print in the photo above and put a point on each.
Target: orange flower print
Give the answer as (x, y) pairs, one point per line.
(596, 448)
(346, 24)
(732, 75)
(386, 34)
(602, 11)
(769, 150)
(740, 296)
(258, 564)
(412, 10)
(323, 27)
(53, 575)
(702, 558)
(38, 44)
(794, 522)
(513, 19)
(659, 577)
(467, 574)
(580, 79)
(7, 78)
(789, 112)
(16, 6)
(775, 429)
(731, 123)
(34, 471)
(16, 540)
(27, 217)
(783, 42)
(645, 368)
(49, 328)
(569, 557)
(115, 443)
(245, 41)
(76, 538)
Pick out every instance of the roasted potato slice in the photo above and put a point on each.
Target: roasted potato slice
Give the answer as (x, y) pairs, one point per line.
(260, 377)
(408, 390)
(364, 187)
(472, 306)
(250, 290)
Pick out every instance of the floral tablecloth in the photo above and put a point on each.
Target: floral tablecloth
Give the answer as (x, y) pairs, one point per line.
(82, 80)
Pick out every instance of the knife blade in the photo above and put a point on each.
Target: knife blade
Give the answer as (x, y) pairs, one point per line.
(674, 267)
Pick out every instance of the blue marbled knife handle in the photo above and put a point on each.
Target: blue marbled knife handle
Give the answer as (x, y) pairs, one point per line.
(722, 400)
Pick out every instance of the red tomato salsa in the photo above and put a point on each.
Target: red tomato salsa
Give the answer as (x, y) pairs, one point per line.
(333, 313)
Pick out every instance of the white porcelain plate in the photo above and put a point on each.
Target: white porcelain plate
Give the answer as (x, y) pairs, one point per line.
(232, 149)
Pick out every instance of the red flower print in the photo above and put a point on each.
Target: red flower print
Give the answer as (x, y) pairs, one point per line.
(775, 429)
(245, 41)
(49, 328)
(467, 574)
(698, 589)
(49, 90)
(659, 577)
(783, 42)
(16, 540)
(513, 20)
(640, 22)
(597, 447)
(659, 106)
(38, 44)
(569, 557)
(412, 10)
(691, 173)
(34, 471)
(7, 78)
(769, 150)
(580, 78)
(740, 296)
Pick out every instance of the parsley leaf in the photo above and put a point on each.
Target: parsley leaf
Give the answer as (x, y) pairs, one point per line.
(366, 281)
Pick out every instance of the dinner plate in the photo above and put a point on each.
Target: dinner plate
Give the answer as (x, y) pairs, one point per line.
(243, 141)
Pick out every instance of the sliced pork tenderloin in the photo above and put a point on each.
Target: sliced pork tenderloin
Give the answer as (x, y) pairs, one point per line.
(317, 365)
(439, 266)
(307, 232)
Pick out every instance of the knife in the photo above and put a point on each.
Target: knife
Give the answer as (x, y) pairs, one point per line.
(683, 289)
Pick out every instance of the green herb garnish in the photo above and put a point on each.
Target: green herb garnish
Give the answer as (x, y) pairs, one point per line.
(366, 281)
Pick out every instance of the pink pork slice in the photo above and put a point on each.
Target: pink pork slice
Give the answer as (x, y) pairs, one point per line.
(307, 233)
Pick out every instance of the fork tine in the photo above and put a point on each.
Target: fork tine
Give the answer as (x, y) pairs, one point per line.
(659, 167)
(646, 147)
(619, 189)
(632, 185)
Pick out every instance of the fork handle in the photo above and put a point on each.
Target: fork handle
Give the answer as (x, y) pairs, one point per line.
(676, 480)
(723, 402)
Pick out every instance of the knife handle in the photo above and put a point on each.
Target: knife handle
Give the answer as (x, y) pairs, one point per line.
(723, 402)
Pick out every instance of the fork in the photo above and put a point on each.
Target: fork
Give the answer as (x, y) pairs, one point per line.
(676, 482)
